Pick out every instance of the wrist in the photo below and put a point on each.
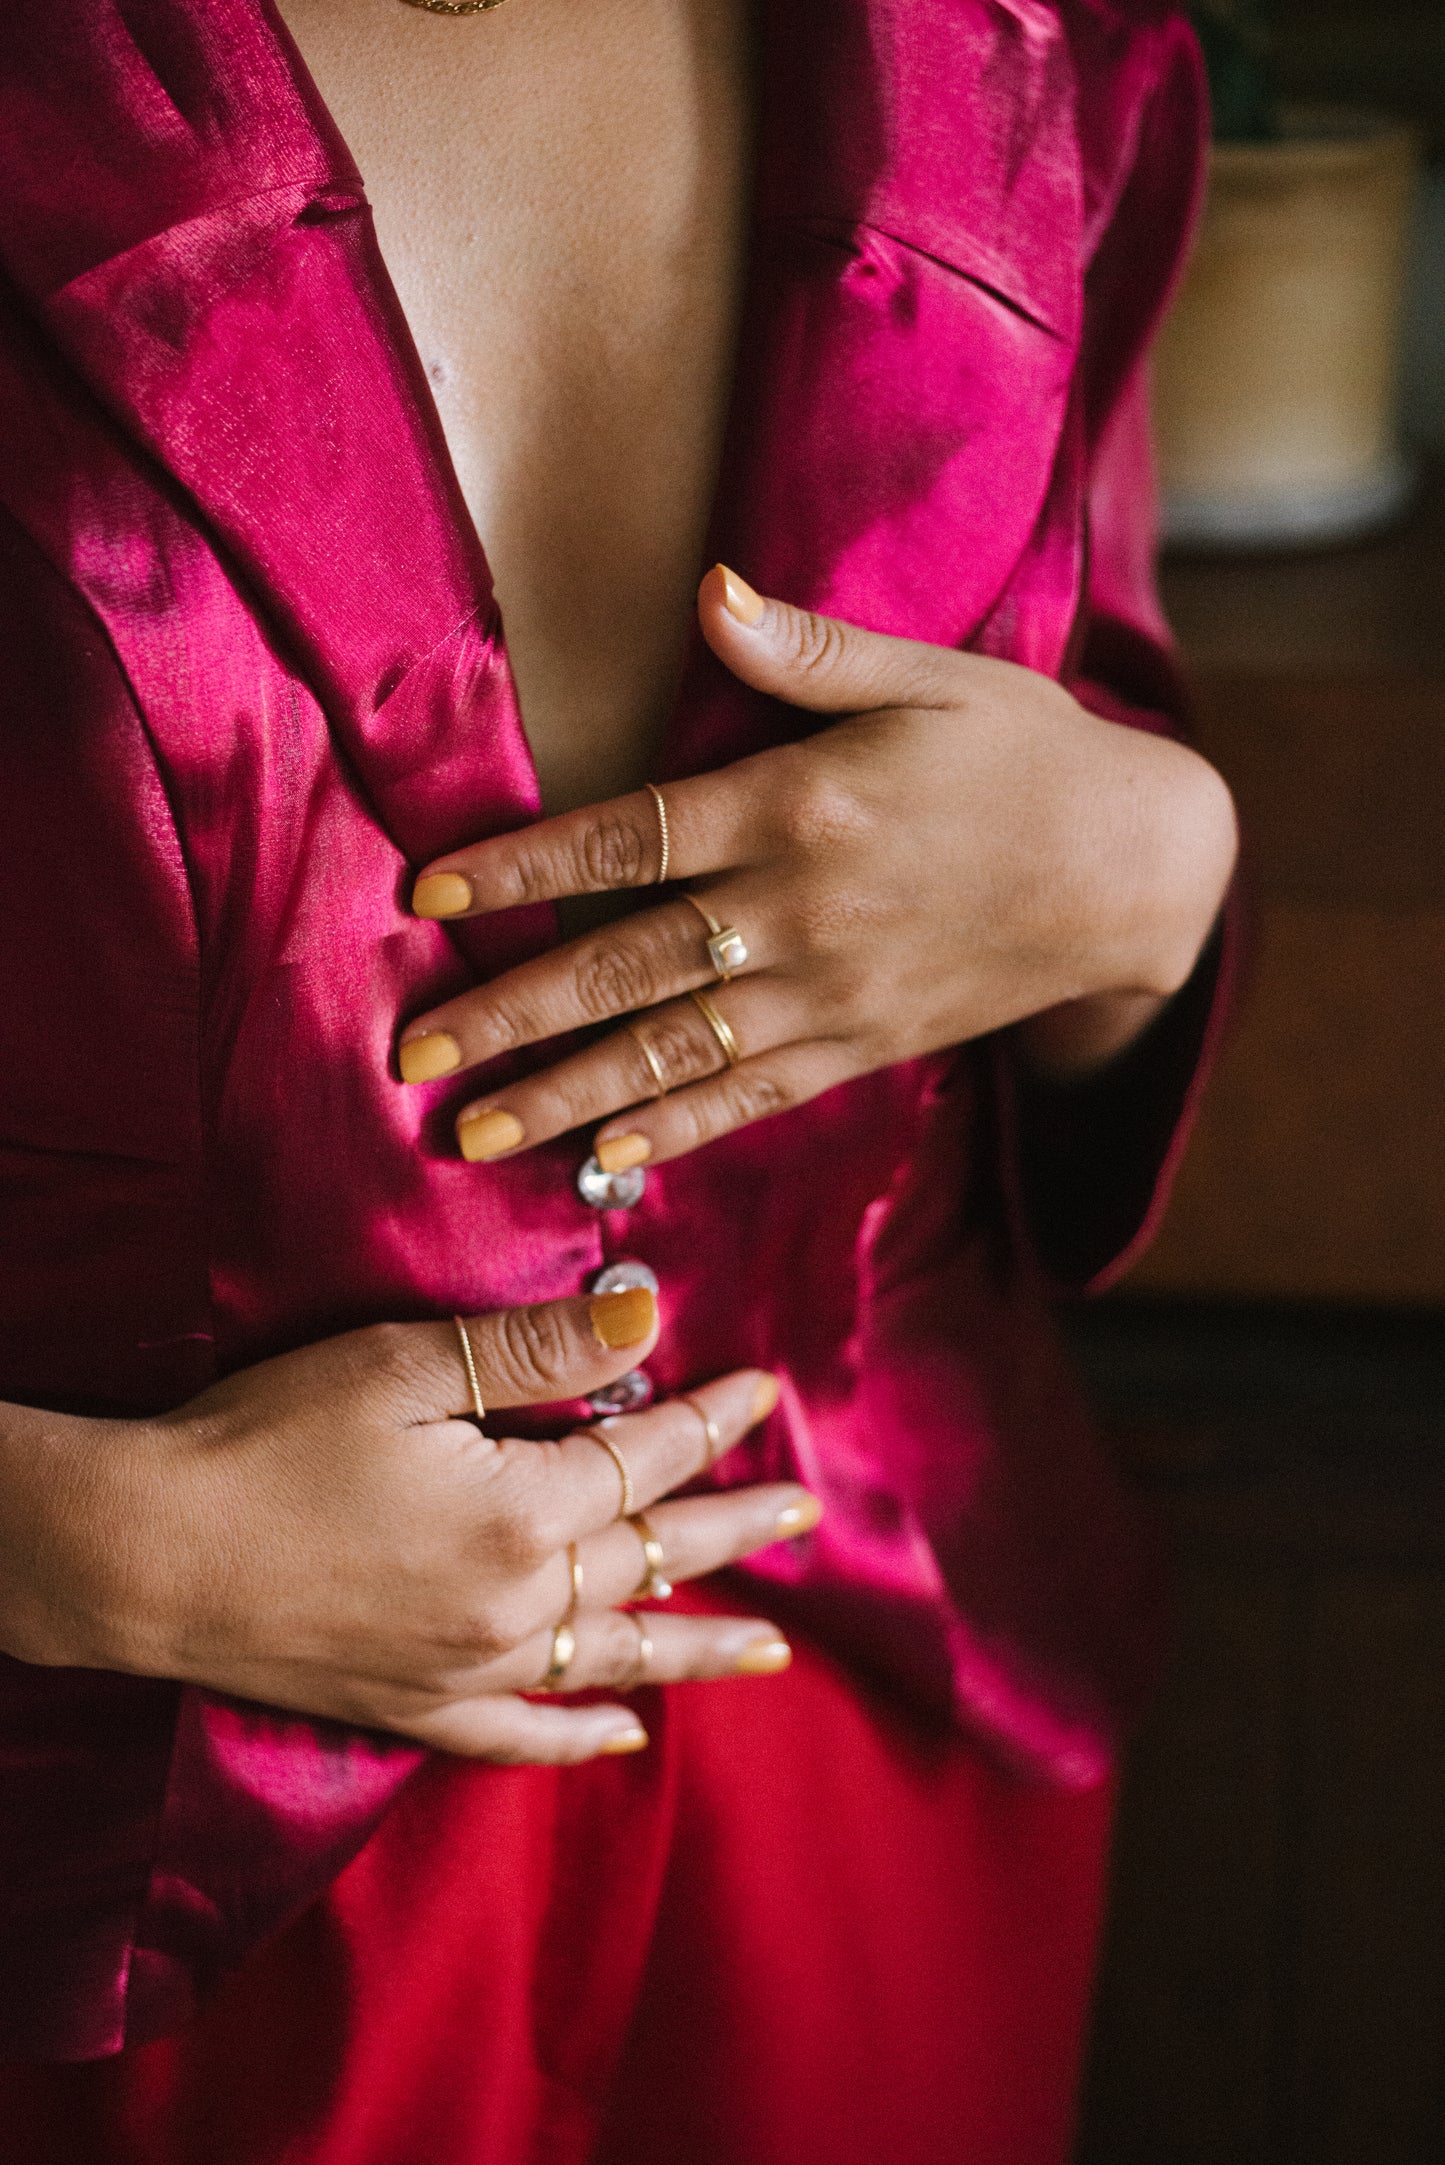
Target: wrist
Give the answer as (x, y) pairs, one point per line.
(78, 1534)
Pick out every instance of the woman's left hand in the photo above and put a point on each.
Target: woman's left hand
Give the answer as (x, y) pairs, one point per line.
(968, 848)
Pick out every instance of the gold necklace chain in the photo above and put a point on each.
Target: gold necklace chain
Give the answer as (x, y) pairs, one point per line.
(456, 7)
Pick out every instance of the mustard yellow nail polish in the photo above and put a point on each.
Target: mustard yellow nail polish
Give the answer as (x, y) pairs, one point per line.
(621, 1152)
(487, 1135)
(766, 1396)
(422, 1059)
(763, 1657)
(799, 1518)
(441, 894)
(623, 1318)
(623, 1740)
(741, 600)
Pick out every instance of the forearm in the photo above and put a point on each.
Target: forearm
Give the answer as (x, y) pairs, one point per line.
(71, 1522)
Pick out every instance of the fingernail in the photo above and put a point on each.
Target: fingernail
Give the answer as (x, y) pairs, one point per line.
(487, 1135)
(623, 1740)
(763, 1657)
(422, 1059)
(766, 1397)
(441, 894)
(624, 1318)
(740, 598)
(621, 1152)
(800, 1517)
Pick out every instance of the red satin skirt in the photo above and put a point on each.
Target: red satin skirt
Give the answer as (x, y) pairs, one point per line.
(795, 1931)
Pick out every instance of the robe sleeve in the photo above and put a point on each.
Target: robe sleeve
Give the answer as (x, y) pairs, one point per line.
(1089, 1164)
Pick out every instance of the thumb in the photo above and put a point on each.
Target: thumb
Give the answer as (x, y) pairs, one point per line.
(816, 661)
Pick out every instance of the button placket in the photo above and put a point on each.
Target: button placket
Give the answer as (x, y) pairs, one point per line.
(613, 1192)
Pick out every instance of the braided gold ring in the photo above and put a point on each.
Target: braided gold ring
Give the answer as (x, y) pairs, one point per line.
(479, 1411)
(664, 840)
(626, 1506)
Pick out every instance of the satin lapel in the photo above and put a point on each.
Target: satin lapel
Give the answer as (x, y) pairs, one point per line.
(909, 334)
(223, 296)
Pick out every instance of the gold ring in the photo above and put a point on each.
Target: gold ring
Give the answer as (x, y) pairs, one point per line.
(574, 1566)
(625, 1508)
(732, 1052)
(640, 1667)
(564, 1646)
(662, 834)
(656, 1585)
(710, 1427)
(650, 1057)
(478, 1409)
(727, 950)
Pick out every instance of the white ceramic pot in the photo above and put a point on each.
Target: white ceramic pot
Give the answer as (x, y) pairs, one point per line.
(1276, 375)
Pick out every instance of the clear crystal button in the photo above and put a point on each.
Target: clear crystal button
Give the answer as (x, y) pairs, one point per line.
(622, 1277)
(627, 1395)
(611, 1191)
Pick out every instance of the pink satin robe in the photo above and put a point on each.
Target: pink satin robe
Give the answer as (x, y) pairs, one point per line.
(255, 676)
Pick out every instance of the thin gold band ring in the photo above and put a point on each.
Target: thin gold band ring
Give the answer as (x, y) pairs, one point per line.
(710, 1427)
(732, 1051)
(653, 1063)
(564, 1647)
(639, 1669)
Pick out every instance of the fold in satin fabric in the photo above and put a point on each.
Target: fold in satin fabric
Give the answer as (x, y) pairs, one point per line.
(255, 675)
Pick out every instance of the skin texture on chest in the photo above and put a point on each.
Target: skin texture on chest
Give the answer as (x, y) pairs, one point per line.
(560, 196)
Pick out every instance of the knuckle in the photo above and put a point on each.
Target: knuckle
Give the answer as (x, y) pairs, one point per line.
(611, 853)
(821, 814)
(615, 979)
(813, 644)
(536, 1350)
(755, 1097)
(682, 1052)
(527, 878)
(519, 1545)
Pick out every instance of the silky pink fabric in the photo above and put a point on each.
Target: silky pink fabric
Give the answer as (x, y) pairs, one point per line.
(255, 675)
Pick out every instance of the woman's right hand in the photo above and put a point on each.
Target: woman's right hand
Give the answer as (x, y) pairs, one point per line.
(326, 1531)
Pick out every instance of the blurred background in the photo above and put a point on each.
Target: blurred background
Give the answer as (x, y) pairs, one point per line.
(1274, 1372)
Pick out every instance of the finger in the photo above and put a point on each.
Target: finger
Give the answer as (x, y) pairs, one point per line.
(711, 824)
(523, 1356)
(696, 1535)
(578, 1485)
(652, 1054)
(818, 662)
(519, 1732)
(618, 1650)
(615, 971)
(733, 1098)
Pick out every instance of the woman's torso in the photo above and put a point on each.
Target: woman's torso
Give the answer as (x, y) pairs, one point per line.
(559, 190)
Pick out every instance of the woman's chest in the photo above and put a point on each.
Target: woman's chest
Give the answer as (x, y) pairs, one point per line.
(559, 189)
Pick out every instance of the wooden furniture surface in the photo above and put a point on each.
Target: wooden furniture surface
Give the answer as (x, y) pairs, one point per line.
(1318, 1171)
(1273, 1988)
